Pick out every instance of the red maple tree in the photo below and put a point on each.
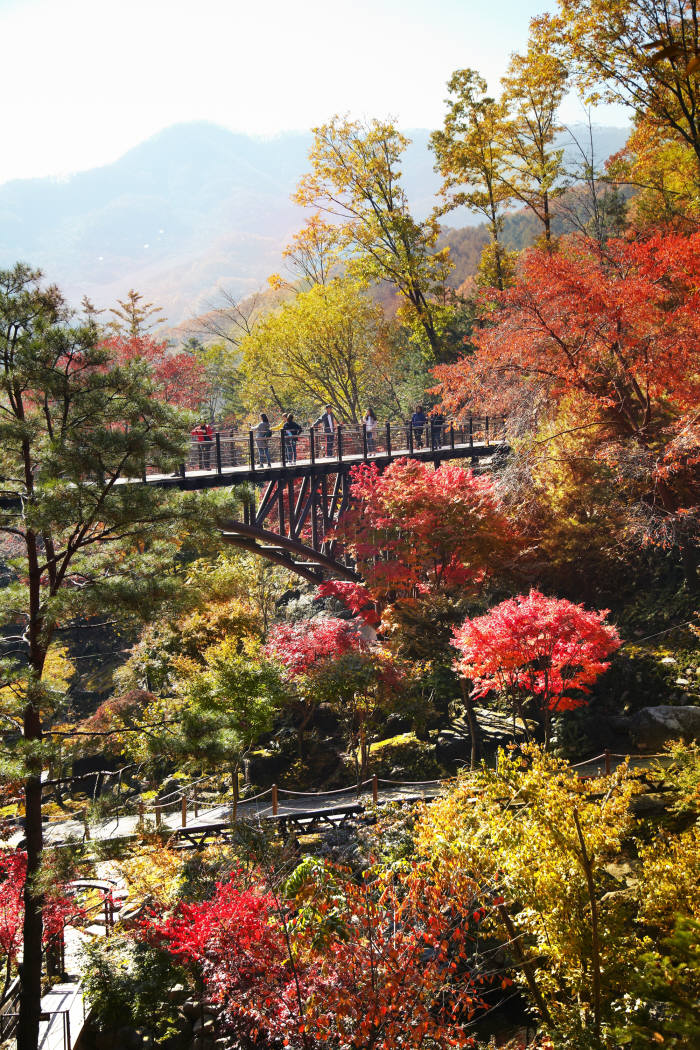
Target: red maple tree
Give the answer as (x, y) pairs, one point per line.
(416, 530)
(301, 647)
(179, 377)
(547, 650)
(13, 866)
(356, 962)
(331, 660)
(58, 909)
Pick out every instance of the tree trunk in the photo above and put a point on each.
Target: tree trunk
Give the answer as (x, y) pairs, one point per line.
(474, 732)
(547, 727)
(364, 756)
(30, 994)
(547, 222)
(587, 863)
(690, 554)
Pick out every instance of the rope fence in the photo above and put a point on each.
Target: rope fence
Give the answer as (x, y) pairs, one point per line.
(192, 807)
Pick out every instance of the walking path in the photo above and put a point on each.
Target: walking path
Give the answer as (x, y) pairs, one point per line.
(186, 809)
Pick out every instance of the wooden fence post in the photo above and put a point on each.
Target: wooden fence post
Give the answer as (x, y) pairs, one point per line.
(274, 800)
(375, 788)
(184, 811)
(195, 801)
(607, 762)
(142, 812)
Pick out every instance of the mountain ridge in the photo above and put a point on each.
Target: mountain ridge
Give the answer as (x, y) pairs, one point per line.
(192, 209)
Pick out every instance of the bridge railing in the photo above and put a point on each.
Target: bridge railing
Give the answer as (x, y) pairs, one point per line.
(228, 450)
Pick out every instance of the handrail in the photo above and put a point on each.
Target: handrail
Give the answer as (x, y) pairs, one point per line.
(228, 448)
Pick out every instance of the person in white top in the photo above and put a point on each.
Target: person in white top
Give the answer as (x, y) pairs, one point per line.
(370, 424)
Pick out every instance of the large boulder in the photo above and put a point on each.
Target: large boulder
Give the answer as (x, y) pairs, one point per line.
(652, 727)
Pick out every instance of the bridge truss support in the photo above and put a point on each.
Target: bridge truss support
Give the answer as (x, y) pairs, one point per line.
(293, 523)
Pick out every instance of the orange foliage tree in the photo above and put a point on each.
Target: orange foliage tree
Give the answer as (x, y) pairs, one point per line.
(334, 960)
(617, 333)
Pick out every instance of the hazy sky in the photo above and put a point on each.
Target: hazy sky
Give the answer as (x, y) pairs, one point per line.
(84, 80)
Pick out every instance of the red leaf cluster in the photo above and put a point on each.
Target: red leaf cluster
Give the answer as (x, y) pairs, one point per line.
(354, 963)
(304, 647)
(57, 911)
(547, 648)
(619, 327)
(413, 529)
(179, 377)
(354, 596)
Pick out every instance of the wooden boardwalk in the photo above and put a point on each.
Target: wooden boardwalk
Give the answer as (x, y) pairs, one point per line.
(291, 809)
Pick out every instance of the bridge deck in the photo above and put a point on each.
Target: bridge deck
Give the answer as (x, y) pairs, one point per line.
(191, 476)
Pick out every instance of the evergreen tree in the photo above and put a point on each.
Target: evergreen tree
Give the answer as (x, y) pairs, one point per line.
(73, 427)
(133, 317)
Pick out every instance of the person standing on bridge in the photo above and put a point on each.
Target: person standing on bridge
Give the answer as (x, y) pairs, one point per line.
(204, 434)
(370, 425)
(418, 421)
(437, 427)
(263, 433)
(330, 426)
(290, 431)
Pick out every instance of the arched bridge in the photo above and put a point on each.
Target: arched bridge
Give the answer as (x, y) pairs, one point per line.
(301, 486)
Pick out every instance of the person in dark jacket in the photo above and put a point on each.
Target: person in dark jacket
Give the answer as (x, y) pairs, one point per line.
(418, 421)
(290, 431)
(437, 426)
(330, 425)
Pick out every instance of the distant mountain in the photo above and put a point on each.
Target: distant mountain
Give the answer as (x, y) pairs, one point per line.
(191, 210)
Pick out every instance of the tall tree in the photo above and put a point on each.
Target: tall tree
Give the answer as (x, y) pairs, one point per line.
(643, 53)
(471, 158)
(326, 346)
(132, 317)
(616, 334)
(355, 178)
(533, 88)
(73, 426)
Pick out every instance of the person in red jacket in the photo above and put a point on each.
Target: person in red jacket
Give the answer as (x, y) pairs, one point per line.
(204, 434)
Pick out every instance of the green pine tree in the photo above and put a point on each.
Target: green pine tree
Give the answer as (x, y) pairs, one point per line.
(75, 539)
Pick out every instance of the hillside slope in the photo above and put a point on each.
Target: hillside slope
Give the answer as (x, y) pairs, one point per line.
(193, 209)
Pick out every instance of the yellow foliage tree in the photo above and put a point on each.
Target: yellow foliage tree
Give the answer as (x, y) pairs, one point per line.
(356, 179)
(642, 53)
(326, 346)
(538, 840)
(533, 88)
